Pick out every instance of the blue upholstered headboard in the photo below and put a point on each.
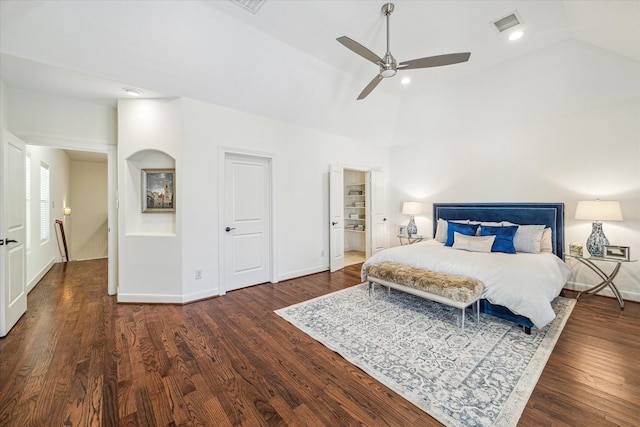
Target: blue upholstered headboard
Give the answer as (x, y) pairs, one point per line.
(549, 214)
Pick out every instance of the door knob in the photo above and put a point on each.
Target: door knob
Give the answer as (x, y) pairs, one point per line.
(333, 223)
(384, 219)
(7, 241)
(228, 229)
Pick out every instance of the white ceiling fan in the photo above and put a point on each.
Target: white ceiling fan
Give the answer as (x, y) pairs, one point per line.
(388, 64)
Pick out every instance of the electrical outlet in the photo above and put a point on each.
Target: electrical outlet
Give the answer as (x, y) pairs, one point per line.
(198, 274)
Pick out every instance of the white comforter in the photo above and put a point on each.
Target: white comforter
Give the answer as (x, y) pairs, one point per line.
(524, 283)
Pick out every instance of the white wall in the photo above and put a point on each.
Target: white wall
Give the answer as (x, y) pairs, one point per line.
(3, 105)
(301, 159)
(149, 244)
(88, 220)
(588, 153)
(43, 254)
(50, 120)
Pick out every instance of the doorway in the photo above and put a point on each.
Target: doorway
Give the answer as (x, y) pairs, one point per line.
(357, 211)
(355, 216)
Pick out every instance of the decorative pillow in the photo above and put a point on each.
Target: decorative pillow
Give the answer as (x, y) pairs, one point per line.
(452, 227)
(527, 238)
(546, 243)
(473, 243)
(441, 228)
(504, 238)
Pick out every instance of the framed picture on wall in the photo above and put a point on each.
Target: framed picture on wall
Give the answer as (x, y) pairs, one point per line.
(158, 190)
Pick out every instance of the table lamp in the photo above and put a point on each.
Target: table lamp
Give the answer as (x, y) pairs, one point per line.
(597, 211)
(411, 209)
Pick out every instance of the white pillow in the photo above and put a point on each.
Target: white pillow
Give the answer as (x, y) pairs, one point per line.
(527, 238)
(546, 244)
(473, 243)
(442, 228)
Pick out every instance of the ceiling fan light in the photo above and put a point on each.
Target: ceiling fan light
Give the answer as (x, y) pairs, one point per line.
(132, 92)
(515, 35)
(389, 72)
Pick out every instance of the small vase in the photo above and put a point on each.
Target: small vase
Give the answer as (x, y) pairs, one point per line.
(596, 240)
(411, 227)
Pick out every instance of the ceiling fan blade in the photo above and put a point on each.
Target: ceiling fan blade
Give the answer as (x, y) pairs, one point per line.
(435, 61)
(360, 50)
(371, 86)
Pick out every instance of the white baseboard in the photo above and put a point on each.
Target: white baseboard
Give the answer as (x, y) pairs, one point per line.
(150, 298)
(34, 281)
(626, 295)
(300, 273)
(197, 296)
(166, 299)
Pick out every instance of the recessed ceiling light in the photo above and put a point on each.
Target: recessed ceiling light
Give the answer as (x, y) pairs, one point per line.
(132, 92)
(515, 35)
(405, 80)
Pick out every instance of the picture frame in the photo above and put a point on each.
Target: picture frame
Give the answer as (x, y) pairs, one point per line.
(616, 252)
(402, 230)
(158, 190)
(575, 249)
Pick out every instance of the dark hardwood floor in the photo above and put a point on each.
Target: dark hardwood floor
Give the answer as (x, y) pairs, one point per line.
(78, 358)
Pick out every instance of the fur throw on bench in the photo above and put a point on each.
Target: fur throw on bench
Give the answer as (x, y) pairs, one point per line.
(456, 288)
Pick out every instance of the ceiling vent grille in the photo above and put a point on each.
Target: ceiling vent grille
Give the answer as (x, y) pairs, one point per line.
(251, 5)
(507, 22)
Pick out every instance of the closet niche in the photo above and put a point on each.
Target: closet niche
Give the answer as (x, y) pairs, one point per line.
(355, 217)
(138, 222)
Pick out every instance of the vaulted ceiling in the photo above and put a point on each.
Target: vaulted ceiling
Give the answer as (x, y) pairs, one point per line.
(284, 62)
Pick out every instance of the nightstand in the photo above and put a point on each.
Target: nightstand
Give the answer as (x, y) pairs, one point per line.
(409, 240)
(607, 279)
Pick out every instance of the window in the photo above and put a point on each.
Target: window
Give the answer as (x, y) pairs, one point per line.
(44, 202)
(28, 197)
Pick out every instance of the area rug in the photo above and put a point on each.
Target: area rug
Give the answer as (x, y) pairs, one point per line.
(482, 376)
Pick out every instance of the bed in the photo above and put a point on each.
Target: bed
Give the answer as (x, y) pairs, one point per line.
(518, 287)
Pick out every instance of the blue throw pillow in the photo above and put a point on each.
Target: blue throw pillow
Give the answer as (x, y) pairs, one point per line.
(467, 229)
(504, 238)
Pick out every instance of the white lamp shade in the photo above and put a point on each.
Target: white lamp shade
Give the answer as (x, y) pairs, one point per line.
(599, 210)
(412, 208)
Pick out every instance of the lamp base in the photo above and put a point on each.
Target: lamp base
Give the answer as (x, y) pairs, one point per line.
(596, 240)
(411, 227)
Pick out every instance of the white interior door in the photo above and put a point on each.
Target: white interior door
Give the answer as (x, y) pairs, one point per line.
(13, 293)
(378, 203)
(336, 218)
(247, 220)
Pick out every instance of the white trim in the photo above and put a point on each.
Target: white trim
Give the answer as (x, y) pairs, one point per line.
(626, 294)
(63, 142)
(300, 273)
(166, 298)
(150, 298)
(32, 284)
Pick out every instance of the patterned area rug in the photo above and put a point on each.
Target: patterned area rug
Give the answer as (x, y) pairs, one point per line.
(480, 377)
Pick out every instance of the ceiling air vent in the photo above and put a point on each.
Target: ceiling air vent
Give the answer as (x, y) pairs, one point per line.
(251, 5)
(507, 22)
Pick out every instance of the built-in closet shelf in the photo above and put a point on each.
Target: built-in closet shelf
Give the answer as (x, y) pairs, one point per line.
(355, 203)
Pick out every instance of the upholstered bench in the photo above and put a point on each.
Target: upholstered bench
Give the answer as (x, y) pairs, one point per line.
(455, 291)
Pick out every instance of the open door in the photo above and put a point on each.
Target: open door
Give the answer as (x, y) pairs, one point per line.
(378, 203)
(13, 290)
(336, 218)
